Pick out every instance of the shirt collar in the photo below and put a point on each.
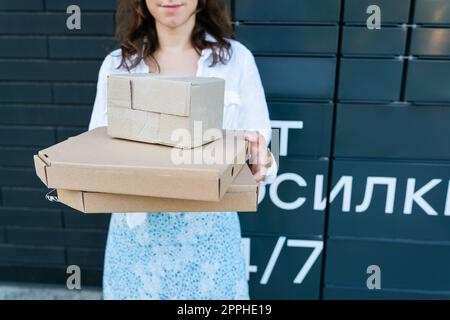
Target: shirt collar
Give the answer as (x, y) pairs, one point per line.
(206, 53)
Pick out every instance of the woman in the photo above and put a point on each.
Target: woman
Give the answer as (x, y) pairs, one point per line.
(183, 255)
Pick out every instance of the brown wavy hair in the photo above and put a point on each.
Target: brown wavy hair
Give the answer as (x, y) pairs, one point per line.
(136, 31)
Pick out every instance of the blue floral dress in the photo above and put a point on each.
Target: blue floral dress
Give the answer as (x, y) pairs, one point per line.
(175, 256)
(185, 255)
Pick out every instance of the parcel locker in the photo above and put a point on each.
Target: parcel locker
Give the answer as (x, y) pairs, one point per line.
(297, 77)
(276, 39)
(287, 206)
(432, 12)
(361, 41)
(287, 11)
(392, 131)
(430, 42)
(428, 81)
(387, 208)
(305, 128)
(409, 266)
(392, 11)
(283, 266)
(370, 79)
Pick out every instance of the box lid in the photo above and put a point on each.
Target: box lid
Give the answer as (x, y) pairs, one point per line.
(94, 161)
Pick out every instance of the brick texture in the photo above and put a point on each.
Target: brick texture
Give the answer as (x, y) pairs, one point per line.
(47, 88)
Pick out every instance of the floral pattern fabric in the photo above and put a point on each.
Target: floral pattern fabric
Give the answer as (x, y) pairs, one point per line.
(173, 256)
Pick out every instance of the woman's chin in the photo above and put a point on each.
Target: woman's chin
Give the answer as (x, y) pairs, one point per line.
(172, 23)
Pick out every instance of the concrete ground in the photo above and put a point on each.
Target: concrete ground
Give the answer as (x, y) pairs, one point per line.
(25, 291)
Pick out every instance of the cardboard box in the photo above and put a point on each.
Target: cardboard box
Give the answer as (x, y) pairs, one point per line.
(94, 161)
(149, 108)
(241, 196)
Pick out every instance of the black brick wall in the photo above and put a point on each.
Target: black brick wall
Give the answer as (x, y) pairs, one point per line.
(47, 87)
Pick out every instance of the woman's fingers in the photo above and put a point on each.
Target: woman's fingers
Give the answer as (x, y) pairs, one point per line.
(258, 151)
(260, 174)
(253, 138)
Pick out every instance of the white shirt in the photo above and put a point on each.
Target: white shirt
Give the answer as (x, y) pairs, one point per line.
(245, 104)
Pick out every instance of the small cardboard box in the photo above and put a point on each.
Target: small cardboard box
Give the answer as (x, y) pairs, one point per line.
(158, 109)
(94, 161)
(241, 196)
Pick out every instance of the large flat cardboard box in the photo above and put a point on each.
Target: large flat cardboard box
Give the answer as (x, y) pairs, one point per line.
(94, 161)
(241, 196)
(169, 110)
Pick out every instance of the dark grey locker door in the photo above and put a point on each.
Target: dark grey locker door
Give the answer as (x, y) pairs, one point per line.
(386, 217)
(392, 131)
(313, 139)
(396, 11)
(409, 266)
(370, 79)
(432, 12)
(430, 42)
(287, 205)
(275, 39)
(387, 41)
(428, 81)
(297, 77)
(288, 10)
(346, 293)
(279, 280)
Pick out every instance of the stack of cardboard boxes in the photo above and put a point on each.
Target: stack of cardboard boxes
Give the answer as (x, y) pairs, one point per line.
(162, 151)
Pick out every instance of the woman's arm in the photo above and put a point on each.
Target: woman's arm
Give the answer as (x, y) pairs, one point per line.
(98, 116)
(254, 115)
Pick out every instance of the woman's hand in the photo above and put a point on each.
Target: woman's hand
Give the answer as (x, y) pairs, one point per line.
(260, 156)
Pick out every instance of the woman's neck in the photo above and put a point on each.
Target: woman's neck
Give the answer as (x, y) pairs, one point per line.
(175, 39)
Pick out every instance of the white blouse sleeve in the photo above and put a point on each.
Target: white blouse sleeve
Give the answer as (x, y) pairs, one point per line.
(254, 113)
(98, 116)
